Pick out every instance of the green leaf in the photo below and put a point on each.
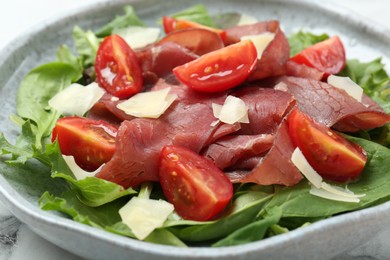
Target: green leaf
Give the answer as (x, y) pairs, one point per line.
(130, 18)
(296, 201)
(65, 55)
(301, 40)
(252, 232)
(101, 217)
(372, 77)
(87, 45)
(36, 89)
(243, 211)
(197, 13)
(163, 236)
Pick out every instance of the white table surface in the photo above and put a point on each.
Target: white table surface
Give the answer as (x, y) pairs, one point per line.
(17, 241)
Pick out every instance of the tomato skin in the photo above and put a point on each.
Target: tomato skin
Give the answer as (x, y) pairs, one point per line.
(331, 155)
(171, 24)
(327, 56)
(193, 184)
(116, 59)
(90, 142)
(219, 70)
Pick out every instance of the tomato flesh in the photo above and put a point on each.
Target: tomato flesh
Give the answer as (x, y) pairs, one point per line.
(331, 155)
(219, 70)
(171, 24)
(117, 68)
(194, 185)
(327, 56)
(90, 142)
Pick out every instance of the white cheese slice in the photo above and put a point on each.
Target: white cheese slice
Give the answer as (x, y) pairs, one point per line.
(138, 37)
(345, 83)
(76, 99)
(148, 104)
(305, 168)
(143, 215)
(246, 19)
(261, 41)
(233, 110)
(79, 173)
(321, 188)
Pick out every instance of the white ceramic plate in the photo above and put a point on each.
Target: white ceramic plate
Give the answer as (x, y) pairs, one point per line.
(324, 239)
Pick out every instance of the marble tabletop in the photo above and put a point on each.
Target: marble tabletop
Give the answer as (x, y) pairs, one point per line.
(16, 16)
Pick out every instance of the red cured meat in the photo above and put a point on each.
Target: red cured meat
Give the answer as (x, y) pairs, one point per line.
(275, 167)
(300, 70)
(332, 106)
(226, 151)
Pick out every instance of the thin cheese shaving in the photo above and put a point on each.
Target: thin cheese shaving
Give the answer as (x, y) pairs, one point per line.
(345, 83)
(79, 173)
(148, 104)
(232, 111)
(319, 187)
(261, 41)
(76, 99)
(143, 215)
(138, 37)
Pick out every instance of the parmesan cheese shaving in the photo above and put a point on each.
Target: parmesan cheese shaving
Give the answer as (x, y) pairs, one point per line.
(138, 37)
(143, 215)
(345, 83)
(321, 188)
(148, 104)
(79, 173)
(76, 99)
(246, 19)
(232, 111)
(261, 41)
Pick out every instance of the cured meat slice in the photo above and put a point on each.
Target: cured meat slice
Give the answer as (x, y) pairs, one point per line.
(332, 106)
(197, 40)
(139, 141)
(266, 109)
(158, 61)
(275, 55)
(300, 70)
(226, 151)
(275, 167)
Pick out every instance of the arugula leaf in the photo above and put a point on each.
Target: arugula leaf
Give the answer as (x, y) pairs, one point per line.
(197, 13)
(296, 201)
(130, 18)
(372, 77)
(36, 89)
(243, 211)
(65, 55)
(91, 191)
(252, 232)
(301, 40)
(87, 45)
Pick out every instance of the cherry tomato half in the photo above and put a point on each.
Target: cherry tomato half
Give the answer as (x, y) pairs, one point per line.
(90, 142)
(193, 184)
(219, 70)
(327, 56)
(117, 68)
(331, 155)
(171, 24)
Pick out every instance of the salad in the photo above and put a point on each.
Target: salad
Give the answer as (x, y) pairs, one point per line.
(213, 134)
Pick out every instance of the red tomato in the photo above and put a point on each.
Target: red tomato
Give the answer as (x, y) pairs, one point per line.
(331, 155)
(194, 185)
(171, 24)
(90, 142)
(117, 68)
(327, 56)
(219, 70)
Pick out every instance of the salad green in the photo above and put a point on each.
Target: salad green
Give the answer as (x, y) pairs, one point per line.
(255, 213)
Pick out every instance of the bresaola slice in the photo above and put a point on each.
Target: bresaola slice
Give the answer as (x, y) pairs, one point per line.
(275, 55)
(332, 106)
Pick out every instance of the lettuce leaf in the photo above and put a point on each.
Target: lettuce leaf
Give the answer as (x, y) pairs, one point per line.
(87, 45)
(301, 40)
(129, 18)
(197, 13)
